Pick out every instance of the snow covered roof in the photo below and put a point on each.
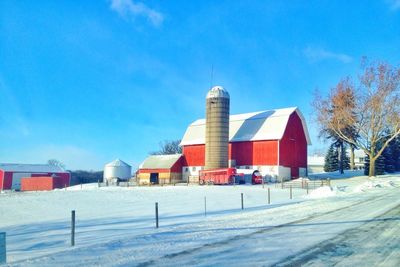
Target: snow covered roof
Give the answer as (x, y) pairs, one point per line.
(160, 161)
(217, 91)
(38, 168)
(262, 125)
(117, 163)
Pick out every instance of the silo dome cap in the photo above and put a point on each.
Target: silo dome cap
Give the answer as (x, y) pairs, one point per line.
(217, 91)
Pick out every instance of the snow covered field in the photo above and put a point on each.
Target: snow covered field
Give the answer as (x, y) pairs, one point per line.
(116, 226)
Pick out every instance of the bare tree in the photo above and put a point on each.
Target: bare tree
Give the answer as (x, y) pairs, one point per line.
(55, 162)
(374, 115)
(168, 147)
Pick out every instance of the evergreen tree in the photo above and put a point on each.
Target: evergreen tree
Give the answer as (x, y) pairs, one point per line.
(396, 153)
(366, 165)
(346, 161)
(331, 160)
(388, 155)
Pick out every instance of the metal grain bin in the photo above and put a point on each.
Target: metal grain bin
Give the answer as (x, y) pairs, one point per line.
(117, 170)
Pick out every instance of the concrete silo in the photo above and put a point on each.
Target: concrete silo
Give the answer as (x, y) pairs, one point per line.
(117, 170)
(217, 128)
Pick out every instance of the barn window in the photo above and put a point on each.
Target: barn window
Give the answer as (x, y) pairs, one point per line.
(193, 168)
(186, 169)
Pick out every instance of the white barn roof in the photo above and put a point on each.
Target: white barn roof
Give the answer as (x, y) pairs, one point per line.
(39, 168)
(160, 161)
(262, 125)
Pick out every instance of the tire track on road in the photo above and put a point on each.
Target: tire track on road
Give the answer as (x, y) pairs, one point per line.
(185, 253)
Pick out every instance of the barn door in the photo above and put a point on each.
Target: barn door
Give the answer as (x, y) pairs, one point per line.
(294, 172)
(154, 178)
(294, 169)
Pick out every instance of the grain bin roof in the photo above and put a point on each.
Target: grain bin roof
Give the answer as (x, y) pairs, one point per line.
(117, 163)
(262, 125)
(39, 168)
(160, 161)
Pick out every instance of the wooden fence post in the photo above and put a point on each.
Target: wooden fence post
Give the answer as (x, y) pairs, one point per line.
(269, 196)
(73, 228)
(156, 214)
(241, 194)
(205, 206)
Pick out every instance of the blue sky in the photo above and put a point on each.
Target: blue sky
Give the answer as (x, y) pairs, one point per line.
(86, 82)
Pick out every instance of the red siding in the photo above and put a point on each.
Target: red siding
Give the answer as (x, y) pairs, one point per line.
(1, 179)
(241, 152)
(5, 180)
(64, 177)
(177, 167)
(194, 155)
(41, 183)
(293, 146)
(265, 152)
(245, 153)
(254, 152)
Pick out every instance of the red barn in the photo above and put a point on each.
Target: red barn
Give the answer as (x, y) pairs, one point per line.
(11, 175)
(273, 142)
(41, 183)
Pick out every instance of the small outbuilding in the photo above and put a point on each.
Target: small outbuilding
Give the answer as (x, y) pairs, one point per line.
(161, 169)
(11, 175)
(41, 183)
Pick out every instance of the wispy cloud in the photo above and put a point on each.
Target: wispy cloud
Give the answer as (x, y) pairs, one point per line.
(393, 4)
(132, 9)
(315, 54)
(11, 119)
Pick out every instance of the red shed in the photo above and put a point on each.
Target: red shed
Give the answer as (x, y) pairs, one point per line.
(11, 174)
(273, 142)
(41, 183)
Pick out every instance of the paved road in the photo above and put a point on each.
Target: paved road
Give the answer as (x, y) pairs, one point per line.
(357, 235)
(374, 243)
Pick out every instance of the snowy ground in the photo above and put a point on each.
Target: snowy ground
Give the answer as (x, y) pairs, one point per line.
(116, 227)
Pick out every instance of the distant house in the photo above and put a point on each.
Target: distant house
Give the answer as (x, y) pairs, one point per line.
(11, 175)
(316, 162)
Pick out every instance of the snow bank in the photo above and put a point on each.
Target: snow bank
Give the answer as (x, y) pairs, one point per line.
(336, 175)
(371, 184)
(322, 192)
